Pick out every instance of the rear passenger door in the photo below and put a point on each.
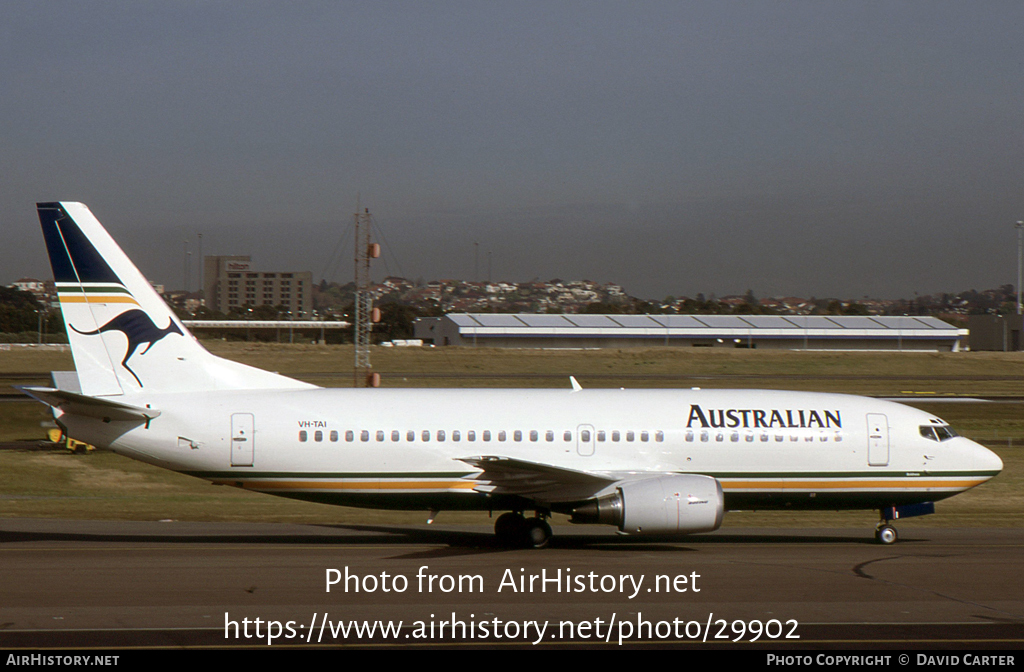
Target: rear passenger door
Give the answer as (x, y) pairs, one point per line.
(243, 435)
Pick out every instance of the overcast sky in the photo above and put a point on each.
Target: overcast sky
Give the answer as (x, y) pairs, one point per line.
(793, 148)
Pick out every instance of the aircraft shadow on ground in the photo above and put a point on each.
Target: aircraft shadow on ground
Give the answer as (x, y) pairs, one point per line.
(455, 541)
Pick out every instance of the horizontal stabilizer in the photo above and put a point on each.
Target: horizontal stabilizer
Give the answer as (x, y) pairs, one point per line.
(509, 476)
(93, 407)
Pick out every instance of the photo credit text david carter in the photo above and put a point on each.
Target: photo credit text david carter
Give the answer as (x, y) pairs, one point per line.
(608, 627)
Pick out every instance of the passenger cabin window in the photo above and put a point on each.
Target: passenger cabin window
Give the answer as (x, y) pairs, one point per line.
(585, 435)
(517, 435)
(334, 435)
(396, 436)
(303, 436)
(364, 435)
(350, 435)
(567, 436)
(659, 436)
(456, 435)
(318, 435)
(471, 435)
(549, 436)
(410, 436)
(487, 435)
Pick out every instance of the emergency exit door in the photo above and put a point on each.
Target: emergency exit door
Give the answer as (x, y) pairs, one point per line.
(585, 440)
(243, 435)
(878, 440)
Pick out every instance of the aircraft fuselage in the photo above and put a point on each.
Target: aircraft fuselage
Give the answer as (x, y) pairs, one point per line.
(400, 448)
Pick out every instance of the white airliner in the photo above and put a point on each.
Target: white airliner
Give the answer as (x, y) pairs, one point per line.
(645, 461)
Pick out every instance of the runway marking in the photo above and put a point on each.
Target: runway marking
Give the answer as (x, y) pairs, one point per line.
(859, 569)
(856, 570)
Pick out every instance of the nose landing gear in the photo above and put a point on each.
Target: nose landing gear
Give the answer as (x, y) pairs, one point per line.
(885, 533)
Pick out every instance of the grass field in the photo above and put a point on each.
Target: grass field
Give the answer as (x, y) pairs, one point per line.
(873, 373)
(57, 484)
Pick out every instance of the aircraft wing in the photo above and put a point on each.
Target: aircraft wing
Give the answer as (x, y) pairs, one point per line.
(93, 407)
(544, 482)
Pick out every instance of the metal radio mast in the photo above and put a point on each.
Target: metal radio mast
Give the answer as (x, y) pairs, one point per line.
(366, 314)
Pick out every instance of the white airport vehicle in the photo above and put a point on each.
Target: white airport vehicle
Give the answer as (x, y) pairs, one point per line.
(646, 461)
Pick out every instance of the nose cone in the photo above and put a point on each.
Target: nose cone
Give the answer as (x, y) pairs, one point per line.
(980, 458)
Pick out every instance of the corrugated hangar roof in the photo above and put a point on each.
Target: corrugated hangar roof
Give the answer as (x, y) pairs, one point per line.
(785, 326)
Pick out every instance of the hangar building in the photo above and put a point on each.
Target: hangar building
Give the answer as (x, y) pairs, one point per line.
(996, 332)
(786, 332)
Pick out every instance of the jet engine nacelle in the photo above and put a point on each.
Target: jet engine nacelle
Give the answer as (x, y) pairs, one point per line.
(660, 505)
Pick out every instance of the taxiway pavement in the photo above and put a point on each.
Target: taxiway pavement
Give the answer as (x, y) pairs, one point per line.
(67, 583)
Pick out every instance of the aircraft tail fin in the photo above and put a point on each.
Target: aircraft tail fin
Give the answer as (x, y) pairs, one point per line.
(123, 337)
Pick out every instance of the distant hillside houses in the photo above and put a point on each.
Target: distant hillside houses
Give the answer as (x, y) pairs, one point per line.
(44, 291)
(534, 296)
(587, 296)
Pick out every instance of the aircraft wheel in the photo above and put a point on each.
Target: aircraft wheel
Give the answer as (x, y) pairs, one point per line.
(886, 534)
(509, 528)
(538, 533)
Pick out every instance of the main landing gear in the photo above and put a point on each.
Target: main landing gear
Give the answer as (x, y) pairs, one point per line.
(513, 530)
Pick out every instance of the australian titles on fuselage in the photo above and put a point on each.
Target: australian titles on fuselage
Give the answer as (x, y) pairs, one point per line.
(759, 418)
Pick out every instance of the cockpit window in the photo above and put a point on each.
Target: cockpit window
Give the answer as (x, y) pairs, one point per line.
(938, 432)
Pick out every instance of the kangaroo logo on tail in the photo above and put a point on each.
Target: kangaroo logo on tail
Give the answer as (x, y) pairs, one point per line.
(138, 328)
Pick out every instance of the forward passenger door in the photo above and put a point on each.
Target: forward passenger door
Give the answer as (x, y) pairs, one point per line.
(878, 440)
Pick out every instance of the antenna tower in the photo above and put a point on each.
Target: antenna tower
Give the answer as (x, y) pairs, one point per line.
(366, 314)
